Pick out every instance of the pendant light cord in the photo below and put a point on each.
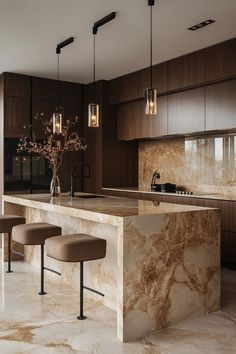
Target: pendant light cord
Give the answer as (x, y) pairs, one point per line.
(58, 78)
(94, 68)
(150, 46)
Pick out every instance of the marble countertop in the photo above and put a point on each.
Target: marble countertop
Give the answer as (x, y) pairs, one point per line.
(215, 196)
(104, 205)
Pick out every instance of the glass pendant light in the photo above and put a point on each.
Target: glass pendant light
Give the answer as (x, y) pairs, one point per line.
(57, 117)
(57, 123)
(93, 108)
(150, 92)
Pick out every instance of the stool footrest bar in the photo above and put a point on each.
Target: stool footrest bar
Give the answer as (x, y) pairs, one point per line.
(52, 270)
(18, 253)
(93, 290)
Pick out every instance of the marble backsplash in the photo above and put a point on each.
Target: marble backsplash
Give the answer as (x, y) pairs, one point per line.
(203, 165)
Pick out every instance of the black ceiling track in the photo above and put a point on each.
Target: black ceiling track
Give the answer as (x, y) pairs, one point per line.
(151, 2)
(102, 22)
(64, 44)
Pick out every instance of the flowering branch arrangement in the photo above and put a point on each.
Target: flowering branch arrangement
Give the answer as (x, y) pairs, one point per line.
(53, 146)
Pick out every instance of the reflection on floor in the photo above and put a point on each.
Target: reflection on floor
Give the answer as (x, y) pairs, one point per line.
(47, 324)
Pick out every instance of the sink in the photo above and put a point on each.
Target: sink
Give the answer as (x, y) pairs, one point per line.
(90, 196)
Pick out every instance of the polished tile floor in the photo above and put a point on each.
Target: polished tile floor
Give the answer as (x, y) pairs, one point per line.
(47, 324)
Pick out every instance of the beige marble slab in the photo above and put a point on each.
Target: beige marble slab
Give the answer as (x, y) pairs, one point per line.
(157, 255)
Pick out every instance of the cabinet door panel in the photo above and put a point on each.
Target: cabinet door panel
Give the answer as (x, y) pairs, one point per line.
(134, 124)
(17, 117)
(185, 71)
(228, 246)
(158, 126)
(219, 61)
(44, 89)
(17, 85)
(38, 107)
(186, 112)
(234, 57)
(132, 86)
(221, 105)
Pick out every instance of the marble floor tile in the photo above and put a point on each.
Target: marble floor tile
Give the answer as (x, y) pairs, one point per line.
(45, 325)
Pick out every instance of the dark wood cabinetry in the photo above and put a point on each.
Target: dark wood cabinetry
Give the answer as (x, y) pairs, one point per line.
(186, 111)
(132, 86)
(132, 123)
(219, 61)
(111, 162)
(16, 85)
(199, 89)
(17, 113)
(186, 71)
(44, 89)
(25, 96)
(221, 105)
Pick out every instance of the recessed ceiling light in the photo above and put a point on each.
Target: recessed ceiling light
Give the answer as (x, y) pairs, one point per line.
(201, 24)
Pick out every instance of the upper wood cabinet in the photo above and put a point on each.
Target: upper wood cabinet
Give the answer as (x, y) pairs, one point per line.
(186, 111)
(234, 56)
(70, 95)
(38, 107)
(221, 105)
(132, 123)
(17, 117)
(220, 60)
(186, 71)
(132, 86)
(44, 89)
(16, 85)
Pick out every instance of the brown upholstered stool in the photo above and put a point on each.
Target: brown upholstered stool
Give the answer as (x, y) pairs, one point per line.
(7, 222)
(36, 234)
(77, 248)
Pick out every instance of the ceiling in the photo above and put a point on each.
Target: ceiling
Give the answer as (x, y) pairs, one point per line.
(31, 29)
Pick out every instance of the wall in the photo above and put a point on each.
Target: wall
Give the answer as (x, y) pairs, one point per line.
(206, 165)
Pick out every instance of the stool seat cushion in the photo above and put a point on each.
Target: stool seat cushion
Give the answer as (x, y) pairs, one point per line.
(76, 248)
(34, 234)
(8, 221)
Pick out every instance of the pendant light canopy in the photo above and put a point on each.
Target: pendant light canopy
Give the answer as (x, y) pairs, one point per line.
(93, 108)
(57, 117)
(150, 92)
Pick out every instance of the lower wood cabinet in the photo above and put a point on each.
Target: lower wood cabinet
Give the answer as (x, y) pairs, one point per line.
(228, 247)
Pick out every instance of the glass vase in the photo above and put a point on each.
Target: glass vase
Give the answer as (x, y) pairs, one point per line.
(55, 188)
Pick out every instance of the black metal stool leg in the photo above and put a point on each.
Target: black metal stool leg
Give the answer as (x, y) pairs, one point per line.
(42, 292)
(81, 316)
(9, 254)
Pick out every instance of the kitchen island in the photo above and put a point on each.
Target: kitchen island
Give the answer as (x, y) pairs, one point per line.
(162, 263)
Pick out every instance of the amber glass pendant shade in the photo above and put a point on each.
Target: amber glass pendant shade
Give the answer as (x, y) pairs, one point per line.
(151, 102)
(93, 115)
(57, 123)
